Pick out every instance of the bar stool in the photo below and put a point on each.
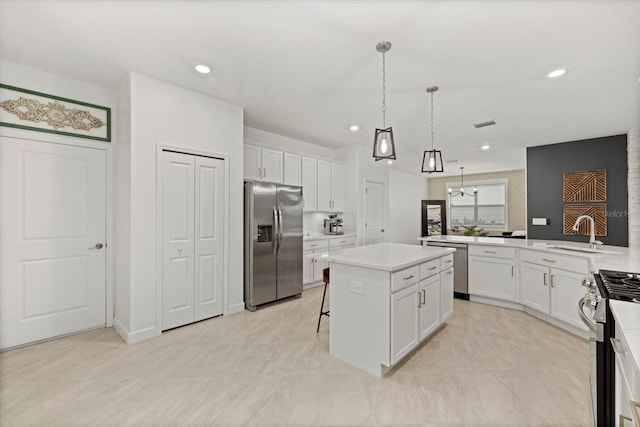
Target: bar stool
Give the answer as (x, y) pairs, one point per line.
(325, 279)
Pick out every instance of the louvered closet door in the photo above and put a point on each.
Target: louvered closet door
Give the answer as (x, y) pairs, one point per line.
(193, 244)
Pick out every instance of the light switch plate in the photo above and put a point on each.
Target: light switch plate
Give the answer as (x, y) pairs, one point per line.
(357, 287)
(539, 221)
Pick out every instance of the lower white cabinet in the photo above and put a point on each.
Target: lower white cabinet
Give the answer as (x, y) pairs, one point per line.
(429, 305)
(312, 268)
(550, 290)
(491, 273)
(404, 322)
(446, 294)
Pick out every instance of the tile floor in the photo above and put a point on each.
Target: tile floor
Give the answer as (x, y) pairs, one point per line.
(487, 366)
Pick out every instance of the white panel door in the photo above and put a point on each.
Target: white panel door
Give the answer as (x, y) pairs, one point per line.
(429, 305)
(209, 237)
(309, 183)
(374, 213)
(178, 239)
(52, 245)
(446, 294)
(566, 289)
(534, 287)
(404, 322)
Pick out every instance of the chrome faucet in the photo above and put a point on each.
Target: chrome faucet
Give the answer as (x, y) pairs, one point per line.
(593, 243)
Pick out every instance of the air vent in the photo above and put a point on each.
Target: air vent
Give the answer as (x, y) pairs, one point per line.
(484, 124)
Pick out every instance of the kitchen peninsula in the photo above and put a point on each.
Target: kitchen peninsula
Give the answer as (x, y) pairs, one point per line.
(385, 299)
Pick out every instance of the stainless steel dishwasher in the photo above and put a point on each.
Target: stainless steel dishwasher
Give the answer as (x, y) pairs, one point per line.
(460, 270)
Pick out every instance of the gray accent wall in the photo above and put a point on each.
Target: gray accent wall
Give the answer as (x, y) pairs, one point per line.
(545, 166)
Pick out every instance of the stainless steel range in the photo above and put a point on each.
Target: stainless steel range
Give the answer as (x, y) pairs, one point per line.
(606, 285)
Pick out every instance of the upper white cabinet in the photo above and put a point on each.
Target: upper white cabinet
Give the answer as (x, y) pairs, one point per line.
(309, 184)
(330, 180)
(263, 164)
(292, 169)
(492, 271)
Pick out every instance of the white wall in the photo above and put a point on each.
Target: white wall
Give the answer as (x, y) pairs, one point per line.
(162, 113)
(406, 192)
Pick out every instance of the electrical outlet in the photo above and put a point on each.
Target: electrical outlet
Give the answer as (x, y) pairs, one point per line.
(357, 288)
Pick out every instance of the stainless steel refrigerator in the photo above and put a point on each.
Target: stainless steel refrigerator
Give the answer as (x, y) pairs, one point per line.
(272, 242)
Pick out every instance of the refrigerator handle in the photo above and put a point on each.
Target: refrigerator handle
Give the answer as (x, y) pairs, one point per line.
(276, 231)
(279, 228)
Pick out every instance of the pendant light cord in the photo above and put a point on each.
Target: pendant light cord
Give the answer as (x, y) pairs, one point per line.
(384, 91)
(432, 133)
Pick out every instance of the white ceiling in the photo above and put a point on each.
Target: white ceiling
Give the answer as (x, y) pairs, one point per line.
(309, 69)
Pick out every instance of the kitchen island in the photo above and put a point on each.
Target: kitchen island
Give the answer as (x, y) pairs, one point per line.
(385, 299)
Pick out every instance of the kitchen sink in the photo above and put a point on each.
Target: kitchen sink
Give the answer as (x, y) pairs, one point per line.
(584, 250)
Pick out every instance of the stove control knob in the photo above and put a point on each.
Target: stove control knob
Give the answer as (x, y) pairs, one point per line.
(587, 282)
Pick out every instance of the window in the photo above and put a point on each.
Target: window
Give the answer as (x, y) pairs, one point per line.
(487, 209)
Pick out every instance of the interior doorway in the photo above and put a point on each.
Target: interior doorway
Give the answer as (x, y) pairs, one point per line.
(374, 212)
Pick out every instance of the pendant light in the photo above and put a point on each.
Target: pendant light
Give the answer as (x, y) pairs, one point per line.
(432, 159)
(461, 192)
(383, 146)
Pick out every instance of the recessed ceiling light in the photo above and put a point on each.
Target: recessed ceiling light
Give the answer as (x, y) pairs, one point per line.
(203, 69)
(485, 146)
(354, 128)
(556, 73)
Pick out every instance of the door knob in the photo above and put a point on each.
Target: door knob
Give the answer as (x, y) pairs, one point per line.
(97, 246)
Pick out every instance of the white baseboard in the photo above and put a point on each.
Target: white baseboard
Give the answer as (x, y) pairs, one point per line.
(137, 336)
(235, 308)
(496, 302)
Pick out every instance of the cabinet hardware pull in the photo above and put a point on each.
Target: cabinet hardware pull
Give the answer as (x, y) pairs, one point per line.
(548, 260)
(512, 270)
(448, 261)
(552, 281)
(313, 246)
(408, 277)
(259, 172)
(432, 268)
(424, 298)
(490, 252)
(264, 172)
(544, 280)
(617, 346)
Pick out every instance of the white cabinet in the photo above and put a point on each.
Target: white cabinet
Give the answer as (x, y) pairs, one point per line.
(263, 164)
(309, 184)
(312, 268)
(551, 290)
(446, 294)
(429, 302)
(330, 186)
(404, 322)
(492, 271)
(342, 242)
(292, 169)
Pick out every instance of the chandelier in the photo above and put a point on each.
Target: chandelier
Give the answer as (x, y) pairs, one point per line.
(461, 192)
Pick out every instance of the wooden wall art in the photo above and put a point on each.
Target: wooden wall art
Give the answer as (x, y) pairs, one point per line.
(585, 186)
(571, 212)
(27, 109)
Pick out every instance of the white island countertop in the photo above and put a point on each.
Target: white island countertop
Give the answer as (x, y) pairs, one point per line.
(384, 256)
(620, 258)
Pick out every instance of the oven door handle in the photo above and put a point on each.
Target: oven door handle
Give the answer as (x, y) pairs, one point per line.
(590, 323)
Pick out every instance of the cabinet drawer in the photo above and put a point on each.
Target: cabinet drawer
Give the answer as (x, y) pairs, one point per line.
(564, 262)
(492, 251)
(403, 278)
(446, 262)
(342, 241)
(429, 268)
(315, 244)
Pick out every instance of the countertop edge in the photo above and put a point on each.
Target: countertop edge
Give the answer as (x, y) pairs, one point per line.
(393, 268)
